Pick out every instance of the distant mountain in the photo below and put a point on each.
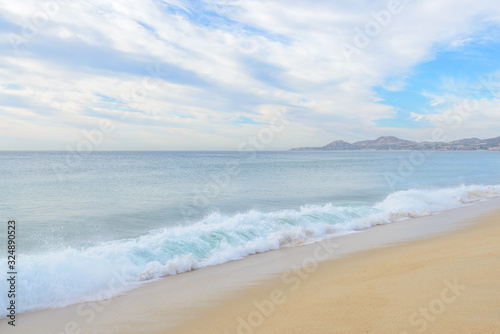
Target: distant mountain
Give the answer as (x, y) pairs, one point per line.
(468, 141)
(338, 145)
(384, 143)
(493, 142)
(390, 143)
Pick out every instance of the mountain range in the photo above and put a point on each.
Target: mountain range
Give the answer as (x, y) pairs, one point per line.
(390, 143)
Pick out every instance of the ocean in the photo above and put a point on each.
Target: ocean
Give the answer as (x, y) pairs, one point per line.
(85, 220)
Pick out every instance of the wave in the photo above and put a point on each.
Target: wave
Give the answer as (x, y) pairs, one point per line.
(108, 269)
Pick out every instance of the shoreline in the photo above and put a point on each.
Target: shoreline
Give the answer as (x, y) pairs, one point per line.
(447, 283)
(186, 299)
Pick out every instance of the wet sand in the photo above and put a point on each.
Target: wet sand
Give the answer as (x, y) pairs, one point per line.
(436, 274)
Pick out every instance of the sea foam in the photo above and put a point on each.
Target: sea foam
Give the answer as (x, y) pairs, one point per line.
(108, 269)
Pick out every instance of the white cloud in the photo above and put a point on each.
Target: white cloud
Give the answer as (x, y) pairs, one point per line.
(235, 63)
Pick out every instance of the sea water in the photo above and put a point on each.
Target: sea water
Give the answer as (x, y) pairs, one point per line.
(86, 220)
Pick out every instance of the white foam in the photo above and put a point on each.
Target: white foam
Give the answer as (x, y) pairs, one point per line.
(103, 271)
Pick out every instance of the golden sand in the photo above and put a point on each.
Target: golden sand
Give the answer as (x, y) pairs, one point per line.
(447, 284)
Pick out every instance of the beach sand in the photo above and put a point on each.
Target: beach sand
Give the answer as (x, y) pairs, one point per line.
(447, 284)
(437, 274)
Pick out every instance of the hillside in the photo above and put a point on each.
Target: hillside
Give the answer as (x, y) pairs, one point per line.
(390, 143)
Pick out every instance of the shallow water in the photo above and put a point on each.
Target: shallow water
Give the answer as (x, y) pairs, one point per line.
(151, 214)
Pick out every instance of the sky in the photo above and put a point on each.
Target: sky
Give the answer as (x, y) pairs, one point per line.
(219, 74)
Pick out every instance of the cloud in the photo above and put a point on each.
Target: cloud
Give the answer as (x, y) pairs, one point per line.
(197, 74)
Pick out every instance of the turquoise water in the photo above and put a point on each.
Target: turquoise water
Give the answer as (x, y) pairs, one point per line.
(151, 214)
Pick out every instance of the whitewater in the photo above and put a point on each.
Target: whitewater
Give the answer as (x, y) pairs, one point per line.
(78, 275)
(117, 222)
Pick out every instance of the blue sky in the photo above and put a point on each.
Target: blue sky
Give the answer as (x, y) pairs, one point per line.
(456, 72)
(195, 75)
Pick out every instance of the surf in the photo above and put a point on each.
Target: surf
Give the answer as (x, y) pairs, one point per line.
(73, 275)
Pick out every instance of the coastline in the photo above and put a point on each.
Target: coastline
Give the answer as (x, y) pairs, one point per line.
(443, 284)
(222, 294)
(392, 143)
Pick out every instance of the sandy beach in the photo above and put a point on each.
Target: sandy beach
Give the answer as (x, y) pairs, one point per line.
(249, 167)
(447, 284)
(436, 274)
